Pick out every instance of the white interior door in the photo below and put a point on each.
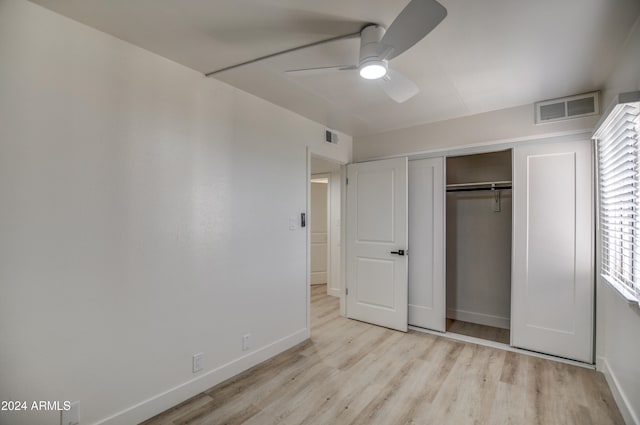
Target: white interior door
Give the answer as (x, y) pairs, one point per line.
(553, 239)
(319, 228)
(427, 285)
(376, 241)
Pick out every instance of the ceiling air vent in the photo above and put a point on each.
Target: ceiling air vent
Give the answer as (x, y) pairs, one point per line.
(330, 136)
(566, 108)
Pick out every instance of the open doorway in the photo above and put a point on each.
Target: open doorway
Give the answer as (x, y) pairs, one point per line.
(324, 223)
(324, 237)
(478, 241)
(319, 229)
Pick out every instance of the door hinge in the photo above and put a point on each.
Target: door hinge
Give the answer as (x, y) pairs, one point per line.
(347, 180)
(346, 291)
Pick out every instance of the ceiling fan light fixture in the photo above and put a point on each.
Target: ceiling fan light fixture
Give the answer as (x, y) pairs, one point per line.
(373, 69)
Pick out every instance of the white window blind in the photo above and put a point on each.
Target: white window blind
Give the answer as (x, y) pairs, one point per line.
(618, 149)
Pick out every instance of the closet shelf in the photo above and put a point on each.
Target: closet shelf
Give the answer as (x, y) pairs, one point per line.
(467, 187)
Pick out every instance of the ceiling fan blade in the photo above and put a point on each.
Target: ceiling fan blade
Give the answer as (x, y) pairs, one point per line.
(320, 71)
(397, 86)
(415, 21)
(270, 22)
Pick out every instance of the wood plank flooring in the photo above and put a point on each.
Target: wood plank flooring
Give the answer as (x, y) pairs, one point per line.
(478, 331)
(358, 374)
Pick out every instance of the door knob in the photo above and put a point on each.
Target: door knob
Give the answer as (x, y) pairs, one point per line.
(398, 252)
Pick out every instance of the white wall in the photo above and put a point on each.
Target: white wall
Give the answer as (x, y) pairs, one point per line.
(618, 323)
(479, 258)
(625, 76)
(130, 239)
(505, 125)
(618, 345)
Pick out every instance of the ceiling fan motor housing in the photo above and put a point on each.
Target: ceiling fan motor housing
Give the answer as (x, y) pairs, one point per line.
(370, 47)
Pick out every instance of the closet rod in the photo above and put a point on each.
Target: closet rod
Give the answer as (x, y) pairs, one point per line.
(477, 189)
(468, 187)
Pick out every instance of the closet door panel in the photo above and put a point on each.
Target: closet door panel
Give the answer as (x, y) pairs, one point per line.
(552, 287)
(426, 244)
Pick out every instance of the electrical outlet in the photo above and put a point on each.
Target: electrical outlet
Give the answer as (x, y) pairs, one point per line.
(197, 362)
(71, 416)
(246, 342)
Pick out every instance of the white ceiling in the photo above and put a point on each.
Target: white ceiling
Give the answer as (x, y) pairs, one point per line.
(485, 55)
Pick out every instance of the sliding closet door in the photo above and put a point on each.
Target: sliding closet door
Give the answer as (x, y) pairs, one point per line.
(553, 238)
(426, 244)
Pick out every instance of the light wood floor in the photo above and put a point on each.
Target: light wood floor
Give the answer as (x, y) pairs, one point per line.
(354, 373)
(478, 331)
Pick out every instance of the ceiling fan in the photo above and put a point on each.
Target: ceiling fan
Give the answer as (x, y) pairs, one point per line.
(378, 46)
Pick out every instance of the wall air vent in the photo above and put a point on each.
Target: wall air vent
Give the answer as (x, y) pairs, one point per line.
(330, 136)
(565, 108)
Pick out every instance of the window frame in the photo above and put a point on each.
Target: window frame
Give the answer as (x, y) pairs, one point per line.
(619, 245)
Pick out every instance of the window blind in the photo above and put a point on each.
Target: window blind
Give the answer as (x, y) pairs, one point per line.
(618, 150)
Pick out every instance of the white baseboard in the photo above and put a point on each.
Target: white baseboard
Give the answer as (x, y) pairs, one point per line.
(479, 318)
(163, 401)
(333, 292)
(626, 409)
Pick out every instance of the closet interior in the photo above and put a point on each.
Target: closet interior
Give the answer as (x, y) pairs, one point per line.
(478, 245)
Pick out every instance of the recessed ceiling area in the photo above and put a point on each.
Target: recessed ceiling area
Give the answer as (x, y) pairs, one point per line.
(484, 56)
